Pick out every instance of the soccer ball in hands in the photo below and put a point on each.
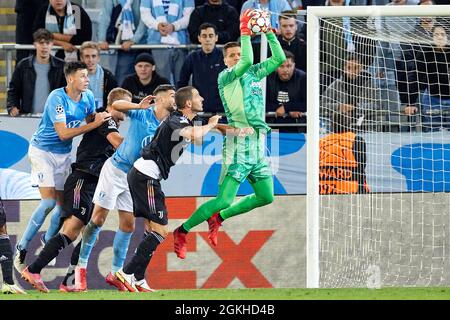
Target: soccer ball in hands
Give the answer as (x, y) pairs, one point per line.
(259, 22)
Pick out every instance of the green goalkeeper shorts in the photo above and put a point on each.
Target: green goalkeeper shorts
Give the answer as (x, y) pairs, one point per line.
(244, 158)
(242, 171)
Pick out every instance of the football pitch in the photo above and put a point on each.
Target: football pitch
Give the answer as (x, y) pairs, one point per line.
(440, 293)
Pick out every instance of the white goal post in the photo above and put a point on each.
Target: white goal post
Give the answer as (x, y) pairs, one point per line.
(374, 256)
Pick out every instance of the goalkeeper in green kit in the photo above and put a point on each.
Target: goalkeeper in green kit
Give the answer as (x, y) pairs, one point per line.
(243, 156)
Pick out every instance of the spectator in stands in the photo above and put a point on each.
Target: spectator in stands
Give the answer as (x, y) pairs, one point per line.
(120, 24)
(35, 77)
(434, 79)
(25, 12)
(101, 80)
(353, 93)
(342, 161)
(218, 13)
(69, 23)
(275, 7)
(286, 95)
(289, 39)
(407, 64)
(337, 40)
(204, 65)
(236, 4)
(388, 53)
(167, 23)
(145, 80)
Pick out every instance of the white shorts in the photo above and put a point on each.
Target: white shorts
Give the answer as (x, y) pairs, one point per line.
(112, 189)
(48, 169)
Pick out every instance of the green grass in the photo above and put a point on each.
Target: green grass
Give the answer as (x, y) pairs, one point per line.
(247, 294)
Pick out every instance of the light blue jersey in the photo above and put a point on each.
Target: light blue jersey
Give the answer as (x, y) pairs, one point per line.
(142, 128)
(59, 107)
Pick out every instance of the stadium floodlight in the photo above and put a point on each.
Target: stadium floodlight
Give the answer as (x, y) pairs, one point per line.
(398, 234)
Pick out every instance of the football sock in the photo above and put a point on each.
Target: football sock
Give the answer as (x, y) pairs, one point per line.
(120, 248)
(55, 223)
(6, 258)
(263, 195)
(225, 197)
(90, 235)
(36, 221)
(75, 254)
(69, 278)
(49, 252)
(143, 254)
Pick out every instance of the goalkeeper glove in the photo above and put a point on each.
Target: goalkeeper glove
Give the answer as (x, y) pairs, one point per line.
(244, 19)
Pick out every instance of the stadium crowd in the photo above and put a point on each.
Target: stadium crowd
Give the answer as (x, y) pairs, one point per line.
(378, 82)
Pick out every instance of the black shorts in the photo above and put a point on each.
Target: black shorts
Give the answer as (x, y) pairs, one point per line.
(148, 198)
(2, 214)
(79, 190)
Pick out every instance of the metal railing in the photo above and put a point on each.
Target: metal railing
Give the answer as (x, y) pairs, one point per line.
(11, 47)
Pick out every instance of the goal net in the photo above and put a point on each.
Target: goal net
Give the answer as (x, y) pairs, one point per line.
(378, 146)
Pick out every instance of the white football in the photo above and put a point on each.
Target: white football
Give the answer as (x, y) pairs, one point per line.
(259, 22)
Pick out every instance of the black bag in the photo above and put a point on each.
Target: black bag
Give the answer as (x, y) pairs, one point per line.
(111, 32)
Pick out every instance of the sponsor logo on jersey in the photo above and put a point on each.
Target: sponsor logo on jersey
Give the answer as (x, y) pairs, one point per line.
(74, 124)
(146, 140)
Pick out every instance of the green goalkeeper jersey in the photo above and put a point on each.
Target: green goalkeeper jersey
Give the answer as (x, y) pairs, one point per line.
(240, 86)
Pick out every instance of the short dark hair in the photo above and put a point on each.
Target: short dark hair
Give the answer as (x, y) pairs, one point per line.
(228, 45)
(163, 88)
(74, 66)
(289, 55)
(287, 14)
(42, 34)
(182, 95)
(205, 26)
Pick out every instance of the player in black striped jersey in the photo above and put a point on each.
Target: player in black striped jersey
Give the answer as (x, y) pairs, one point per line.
(94, 149)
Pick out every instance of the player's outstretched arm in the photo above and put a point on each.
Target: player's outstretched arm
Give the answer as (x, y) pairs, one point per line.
(246, 60)
(196, 134)
(65, 133)
(225, 129)
(124, 105)
(277, 58)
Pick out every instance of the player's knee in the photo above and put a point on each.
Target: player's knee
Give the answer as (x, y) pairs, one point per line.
(126, 225)
(160, 229)
(224, 203)
(3, 229)
(98, 220)
(266, 199)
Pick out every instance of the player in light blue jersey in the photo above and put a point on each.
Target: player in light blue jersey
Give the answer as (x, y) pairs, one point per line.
(50, 148)
(112, 188)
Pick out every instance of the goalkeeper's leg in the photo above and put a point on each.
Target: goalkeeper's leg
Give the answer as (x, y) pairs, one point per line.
(263, 196)
(225, 197)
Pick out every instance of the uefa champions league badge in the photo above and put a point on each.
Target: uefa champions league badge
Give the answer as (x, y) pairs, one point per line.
(60, 112)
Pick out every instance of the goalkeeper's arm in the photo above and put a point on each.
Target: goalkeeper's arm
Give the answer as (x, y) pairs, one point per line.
(277, 58)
